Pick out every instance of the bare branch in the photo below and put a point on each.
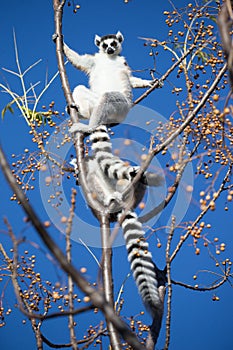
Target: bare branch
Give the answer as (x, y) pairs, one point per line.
(45, 317)
(79, 137)
(87, 341)
(201, 289)
(169, 284)
(106, 264)
(58, 13)
(225, 22)
(70, 281)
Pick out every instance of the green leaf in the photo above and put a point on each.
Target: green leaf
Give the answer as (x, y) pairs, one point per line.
(203, 56)
(213, 18)
(7, 108)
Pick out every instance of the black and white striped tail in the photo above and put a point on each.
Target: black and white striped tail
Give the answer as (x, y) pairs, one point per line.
(112, 166)
(149, 279)
(142, 266)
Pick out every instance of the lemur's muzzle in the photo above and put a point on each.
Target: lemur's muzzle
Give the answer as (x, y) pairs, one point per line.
(110, 50)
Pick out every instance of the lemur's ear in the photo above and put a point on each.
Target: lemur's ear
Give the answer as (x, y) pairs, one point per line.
(97, 40)
(119, 36)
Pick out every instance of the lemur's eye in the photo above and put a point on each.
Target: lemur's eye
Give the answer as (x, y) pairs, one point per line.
(114, 44)
(104, 46)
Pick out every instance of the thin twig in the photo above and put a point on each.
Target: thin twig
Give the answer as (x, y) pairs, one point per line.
(89, 250)
(87, 341)
(202, 289)
(46, 317)
(169, 284)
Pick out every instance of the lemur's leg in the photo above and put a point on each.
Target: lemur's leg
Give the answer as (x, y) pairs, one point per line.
(85, 100)
(112, 108)
(99, 186)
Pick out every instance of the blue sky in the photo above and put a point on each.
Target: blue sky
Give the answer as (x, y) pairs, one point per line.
(197, 321)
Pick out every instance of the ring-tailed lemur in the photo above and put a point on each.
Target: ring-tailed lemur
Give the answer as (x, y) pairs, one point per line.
(107, 177)
(109, 98)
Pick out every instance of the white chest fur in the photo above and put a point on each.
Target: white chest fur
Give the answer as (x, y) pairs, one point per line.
(109, 74)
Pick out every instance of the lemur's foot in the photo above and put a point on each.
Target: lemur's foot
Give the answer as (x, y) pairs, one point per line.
(115, 198)
(152, 179)
(80, 127)
(54, 37)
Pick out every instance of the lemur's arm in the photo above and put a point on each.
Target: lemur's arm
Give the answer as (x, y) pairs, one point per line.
(81, 62)
(140, 83)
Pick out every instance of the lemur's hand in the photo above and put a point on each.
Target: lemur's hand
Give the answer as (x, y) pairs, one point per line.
(156, 81)
(55, 36)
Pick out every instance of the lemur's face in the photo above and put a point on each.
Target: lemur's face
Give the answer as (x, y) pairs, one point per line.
(110, 44)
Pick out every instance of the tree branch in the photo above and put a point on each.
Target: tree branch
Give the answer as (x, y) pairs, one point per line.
(58, 13)
(106, 264)
(169, 284)
(202, 289)
(86, 341)
(70, 281)
(225, 21)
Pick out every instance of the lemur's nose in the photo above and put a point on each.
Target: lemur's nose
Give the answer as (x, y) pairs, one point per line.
(110, 50)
